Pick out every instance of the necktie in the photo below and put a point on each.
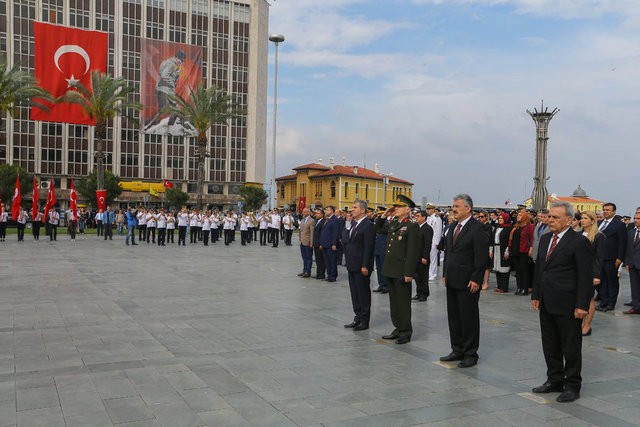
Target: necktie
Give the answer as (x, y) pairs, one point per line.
(456, 233)
(353, 227)
(554, 242)
(637, 236)
(604, 224)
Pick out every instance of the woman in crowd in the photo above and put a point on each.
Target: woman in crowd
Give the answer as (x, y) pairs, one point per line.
(589, 224)
(520, 241)
(483, 217)
(501, 264)
(120, 221)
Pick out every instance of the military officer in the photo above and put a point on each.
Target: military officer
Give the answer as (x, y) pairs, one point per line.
(401, 260)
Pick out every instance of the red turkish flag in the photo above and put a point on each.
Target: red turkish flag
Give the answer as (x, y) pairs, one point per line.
(73, 200)
(63, 56)
(167, 184)
(16, 202)
(36, 199)
(101, 197)
(51, 201)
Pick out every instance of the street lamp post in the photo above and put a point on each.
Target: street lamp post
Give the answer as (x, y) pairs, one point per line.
(273, 200)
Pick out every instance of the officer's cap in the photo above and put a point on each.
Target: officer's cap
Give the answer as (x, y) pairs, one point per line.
(402, 201)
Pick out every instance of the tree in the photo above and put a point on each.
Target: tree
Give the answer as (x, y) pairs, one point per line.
(19, 88)
(176, 198)
(8, 174)
(204, 108)
(88, 185)
(107, 98)
(254, 197)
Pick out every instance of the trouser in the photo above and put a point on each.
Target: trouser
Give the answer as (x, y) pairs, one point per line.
(307, 258)
(339, 254)
(193, 234)
(524, 271)
(170, 235)
(99, 228)
(142, 232)
(120, 227)
(205, 237)
(634, 278)
(562, 348)
(609, 283)
(359, 286)
(249, 234)
(400, 306)
(162, 235)
(255, 234)
(382, 281)
(422, 280)
(464, 321)
(433, 262)
(244, 235)
(287, 237)
(20, 228)
(35, 229)
(72, 229)
(108, 231)
(320, 267)
(502, 280)
(131, 232)
(275, 236)
(151, 232)
(269, 235)
(3, 230)
(263, 237)
(182, 234)
(227, 236)
(331, 263)
(53, 232)
(215, 235)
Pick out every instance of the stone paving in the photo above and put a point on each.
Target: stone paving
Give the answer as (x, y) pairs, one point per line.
(97, 333)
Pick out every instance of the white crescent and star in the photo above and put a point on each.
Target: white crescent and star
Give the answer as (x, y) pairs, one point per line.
(72, 48)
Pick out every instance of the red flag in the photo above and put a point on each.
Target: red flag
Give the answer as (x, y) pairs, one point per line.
(101, 197)
(64, 56)
(51, 200)
(36, 199)
(302, 203)
(16, 202)
(167, 184)
(73, 200)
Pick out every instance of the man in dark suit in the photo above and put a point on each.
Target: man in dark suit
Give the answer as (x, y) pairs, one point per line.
(320, 267)
(329, 243)
(403, 252)
(562, 290)
(422, 270)
(465, 260)
(358, 252)
(632, 261)
(614, 248)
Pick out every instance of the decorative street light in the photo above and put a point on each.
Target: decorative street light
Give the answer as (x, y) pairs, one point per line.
(273, 200)
(539, 195)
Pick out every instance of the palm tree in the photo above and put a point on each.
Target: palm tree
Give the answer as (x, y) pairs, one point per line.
(107, 97)
(19, 88)
(204, 108)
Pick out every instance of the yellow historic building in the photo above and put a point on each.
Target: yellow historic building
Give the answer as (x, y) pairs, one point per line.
(338, 185)
(579, 200)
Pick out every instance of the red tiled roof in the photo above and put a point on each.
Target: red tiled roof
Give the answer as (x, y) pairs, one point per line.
(287, 177)
(572, 199)
(339, 170)
(314, 166)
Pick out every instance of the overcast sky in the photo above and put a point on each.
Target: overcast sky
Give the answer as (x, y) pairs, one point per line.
(436, 92)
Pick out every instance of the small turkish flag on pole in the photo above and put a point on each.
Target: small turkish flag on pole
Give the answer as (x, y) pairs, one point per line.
(64, 57)
(73, 200)
(36, 199)
(101, 197)
(16, 202)
(51, 201)
(167, 184)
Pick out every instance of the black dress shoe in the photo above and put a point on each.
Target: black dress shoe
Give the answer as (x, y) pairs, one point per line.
(468, 362)
(569, 395)
(300, 274)
(377, 290)
(416, 298)
(403, 340)
(451, 357)
(422, 299)
(331, 280)
(361, 327)
(319, 277)
(548, 387)
(391, 336)
(384, 291)
(351, 325)
(628, 304)
(517, 292)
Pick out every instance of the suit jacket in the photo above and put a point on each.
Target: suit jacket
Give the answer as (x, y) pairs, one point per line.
(537, 234)
(317, 229)
(616, 243)
(466, 259)
(359, 246)
(565, 281)
(307, 231)
(330, 233)
(426, 239)
(403, 247)
(633, 250)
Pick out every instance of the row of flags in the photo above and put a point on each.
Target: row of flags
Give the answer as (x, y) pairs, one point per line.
(16, 200)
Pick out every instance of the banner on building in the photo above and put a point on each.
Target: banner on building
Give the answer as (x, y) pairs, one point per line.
(167, 69)
(63, 57)
(101, 198)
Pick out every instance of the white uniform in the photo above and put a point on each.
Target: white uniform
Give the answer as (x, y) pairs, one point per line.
(183, 219)
(171, 223)
(435, 223)
(161, 221)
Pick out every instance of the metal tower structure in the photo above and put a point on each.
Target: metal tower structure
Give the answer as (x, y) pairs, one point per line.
(539, 195)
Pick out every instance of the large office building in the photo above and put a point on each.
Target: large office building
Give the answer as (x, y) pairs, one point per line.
(230, 38)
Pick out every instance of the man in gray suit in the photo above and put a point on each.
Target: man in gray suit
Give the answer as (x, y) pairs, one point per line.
(307, 225)
(632, 261)
(541, 229)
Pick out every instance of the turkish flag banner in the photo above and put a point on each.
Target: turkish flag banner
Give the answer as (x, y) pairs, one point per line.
(16, 202)
(35, 198)
(65, 56)
(51, 201)
(73, 199)
(167, 184)
(302, 203)
(101, 197)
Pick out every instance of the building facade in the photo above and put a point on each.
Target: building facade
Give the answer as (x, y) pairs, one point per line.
(579, 200)
(233, 35)
(339, 186)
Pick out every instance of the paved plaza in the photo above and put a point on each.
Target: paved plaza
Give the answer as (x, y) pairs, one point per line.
(97, 333)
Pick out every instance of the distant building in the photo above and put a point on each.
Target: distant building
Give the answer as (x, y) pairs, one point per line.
(339, 185)
(579, 200)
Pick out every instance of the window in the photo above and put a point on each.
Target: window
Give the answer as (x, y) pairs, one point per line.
(366, 191)
(282, 190)
(357, 190)
(333, 189)
(346, 190)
